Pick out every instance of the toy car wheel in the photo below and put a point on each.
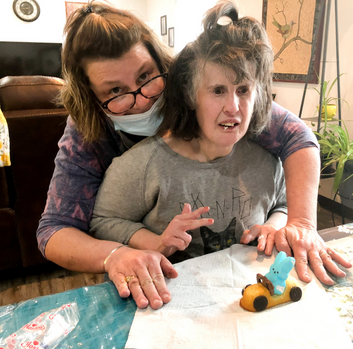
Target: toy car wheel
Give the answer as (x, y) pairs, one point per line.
(242, 291)
(260, 303)
(295, 293)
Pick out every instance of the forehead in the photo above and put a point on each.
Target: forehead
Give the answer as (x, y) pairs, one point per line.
(116, 69)
(214, 73)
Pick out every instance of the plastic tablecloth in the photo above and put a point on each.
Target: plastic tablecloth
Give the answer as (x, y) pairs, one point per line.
(105, 318)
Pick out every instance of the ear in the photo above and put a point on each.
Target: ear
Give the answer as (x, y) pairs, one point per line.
(287, 264)
(280, 257)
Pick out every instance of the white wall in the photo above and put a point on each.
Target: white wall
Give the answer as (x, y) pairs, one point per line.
(50, 24)
(155, 10)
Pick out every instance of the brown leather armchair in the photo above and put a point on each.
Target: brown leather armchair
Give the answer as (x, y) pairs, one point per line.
(35, 125)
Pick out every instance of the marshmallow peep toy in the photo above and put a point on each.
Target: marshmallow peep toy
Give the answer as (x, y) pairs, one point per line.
(279, 271)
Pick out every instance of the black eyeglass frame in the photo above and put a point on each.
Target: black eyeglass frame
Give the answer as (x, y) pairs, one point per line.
(135, 93)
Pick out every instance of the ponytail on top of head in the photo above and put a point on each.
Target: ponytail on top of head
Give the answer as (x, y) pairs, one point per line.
(217, 16)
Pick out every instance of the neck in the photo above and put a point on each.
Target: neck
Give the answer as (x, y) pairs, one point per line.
(196, 149)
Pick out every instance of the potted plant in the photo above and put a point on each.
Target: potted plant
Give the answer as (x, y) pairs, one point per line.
(337, 149)
(329, 108)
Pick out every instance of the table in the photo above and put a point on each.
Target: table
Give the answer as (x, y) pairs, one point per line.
(105, 317)
(333, 233)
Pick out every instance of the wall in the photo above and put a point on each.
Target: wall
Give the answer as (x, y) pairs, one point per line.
(49, 26)
(156, 9)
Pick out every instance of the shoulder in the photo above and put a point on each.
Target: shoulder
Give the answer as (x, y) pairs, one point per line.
(255, 154)
(283, 115)
(139, 155)
(279, 110)
(73, 150)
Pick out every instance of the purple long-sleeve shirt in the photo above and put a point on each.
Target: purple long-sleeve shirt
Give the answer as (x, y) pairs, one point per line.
(80, 167)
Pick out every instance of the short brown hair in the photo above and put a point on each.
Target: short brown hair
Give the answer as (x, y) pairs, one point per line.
(100, 31)
(242, 46)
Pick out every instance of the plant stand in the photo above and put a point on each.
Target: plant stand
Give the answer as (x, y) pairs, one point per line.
(315, 36)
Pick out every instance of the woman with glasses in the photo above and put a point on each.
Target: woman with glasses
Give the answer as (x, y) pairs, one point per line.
(113, 67)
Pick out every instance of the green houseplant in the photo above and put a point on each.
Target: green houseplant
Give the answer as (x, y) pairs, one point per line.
(337, 149)
(328, 109)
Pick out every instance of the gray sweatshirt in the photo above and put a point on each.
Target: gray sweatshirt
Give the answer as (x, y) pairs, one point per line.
(148, 185)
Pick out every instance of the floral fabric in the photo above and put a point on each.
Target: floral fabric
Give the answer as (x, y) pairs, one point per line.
(4, 142)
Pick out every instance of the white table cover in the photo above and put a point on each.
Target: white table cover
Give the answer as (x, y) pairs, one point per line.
(205, 311)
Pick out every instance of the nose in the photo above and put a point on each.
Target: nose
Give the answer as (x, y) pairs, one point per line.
(231, 104)
(142, 104)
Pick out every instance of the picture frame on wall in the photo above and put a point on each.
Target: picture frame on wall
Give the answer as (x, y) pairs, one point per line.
(171, 37)
(71, 6)
(164, 25)
(290, 26)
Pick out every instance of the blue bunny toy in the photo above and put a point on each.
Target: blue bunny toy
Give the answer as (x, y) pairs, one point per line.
(279, 271)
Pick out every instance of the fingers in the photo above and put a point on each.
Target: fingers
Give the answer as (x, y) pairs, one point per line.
(141, 275)
(142, 299)
(339, 259)
(325, 256)
(317, 265)
(121, 285)
(176, 235)
(282, 243)
(168, 269)
(250, 234)
(264, 235)
(187, 214)
(269, 245)
(180, 241)
(301, 264)
(150, 283)
(186, 209)
(300, 253)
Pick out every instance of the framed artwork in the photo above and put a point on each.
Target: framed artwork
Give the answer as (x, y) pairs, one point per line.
(71, 6)
(290, 26)
(164, 25)
(171, 37)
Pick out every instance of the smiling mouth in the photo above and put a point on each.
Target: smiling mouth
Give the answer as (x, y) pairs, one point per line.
(228, 125)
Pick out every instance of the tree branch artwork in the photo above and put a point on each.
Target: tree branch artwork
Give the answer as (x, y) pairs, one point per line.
(290, 27)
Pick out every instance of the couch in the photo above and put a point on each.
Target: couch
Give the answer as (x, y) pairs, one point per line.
(35, 125)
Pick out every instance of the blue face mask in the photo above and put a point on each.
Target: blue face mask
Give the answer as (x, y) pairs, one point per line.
(144, 124)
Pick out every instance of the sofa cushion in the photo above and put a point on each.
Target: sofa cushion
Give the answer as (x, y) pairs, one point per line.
(29, 92)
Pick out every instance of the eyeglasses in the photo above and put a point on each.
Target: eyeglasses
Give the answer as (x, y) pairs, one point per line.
(151, 89)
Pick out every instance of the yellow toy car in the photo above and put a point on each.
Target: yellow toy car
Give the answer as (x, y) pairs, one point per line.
(260, 296)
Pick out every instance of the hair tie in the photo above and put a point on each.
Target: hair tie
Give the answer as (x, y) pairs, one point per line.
(224, 21)
(89, 9)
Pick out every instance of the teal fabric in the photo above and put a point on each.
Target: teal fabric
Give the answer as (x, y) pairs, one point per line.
(105, 318)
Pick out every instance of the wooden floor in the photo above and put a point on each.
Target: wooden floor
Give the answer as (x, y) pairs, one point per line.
(17, 289)
(21, 288)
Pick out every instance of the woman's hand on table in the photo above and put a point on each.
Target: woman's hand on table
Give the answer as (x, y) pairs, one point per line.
(141, 274)
(308, 248)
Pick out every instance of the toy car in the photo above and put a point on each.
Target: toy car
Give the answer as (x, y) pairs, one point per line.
(260, 296)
